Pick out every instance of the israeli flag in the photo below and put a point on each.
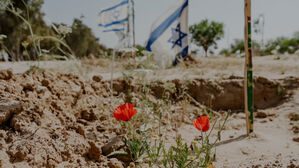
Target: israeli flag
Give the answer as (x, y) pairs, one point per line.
(169, 35)
(115, 17)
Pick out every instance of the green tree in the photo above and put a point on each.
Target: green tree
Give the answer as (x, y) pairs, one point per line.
(296, 35)
(29, 37)
(289, 46)
(205, 34)
(282, 45)
(237, 47)
(16, 30)
(82, 41)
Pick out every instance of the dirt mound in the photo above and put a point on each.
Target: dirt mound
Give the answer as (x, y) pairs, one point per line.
(60, 120)
(218, 94)
(57, 126)
(290, 82)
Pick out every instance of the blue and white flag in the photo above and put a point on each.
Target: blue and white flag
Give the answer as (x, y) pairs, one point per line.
(114, 18)
(169, 35)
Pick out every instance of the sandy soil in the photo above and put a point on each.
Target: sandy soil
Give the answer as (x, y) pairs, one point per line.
(66, 118)
(271, 145)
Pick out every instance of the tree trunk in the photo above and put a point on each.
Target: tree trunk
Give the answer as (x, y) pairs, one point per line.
(206, 51)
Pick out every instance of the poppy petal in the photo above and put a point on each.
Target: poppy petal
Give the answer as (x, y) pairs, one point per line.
(202, 123)
(124, 112)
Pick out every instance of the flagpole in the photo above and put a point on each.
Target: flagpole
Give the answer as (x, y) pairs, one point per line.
(128, 27)
(111, 79)
(133, 28)
(133, 15)
(248, 77)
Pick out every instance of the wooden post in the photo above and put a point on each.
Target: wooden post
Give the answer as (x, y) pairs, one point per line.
(248, 78)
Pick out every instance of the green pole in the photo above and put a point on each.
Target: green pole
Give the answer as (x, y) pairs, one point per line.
(248, 78)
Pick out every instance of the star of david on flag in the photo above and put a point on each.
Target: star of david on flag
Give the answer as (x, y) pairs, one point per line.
(177, 36)
(169, 35)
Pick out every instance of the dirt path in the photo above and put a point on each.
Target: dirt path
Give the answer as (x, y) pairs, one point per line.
(271, 67)
(271, 145)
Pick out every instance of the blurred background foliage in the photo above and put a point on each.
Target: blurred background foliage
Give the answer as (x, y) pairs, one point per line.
(280, 45)
(79, 41)
(83, 42)
(18, 43)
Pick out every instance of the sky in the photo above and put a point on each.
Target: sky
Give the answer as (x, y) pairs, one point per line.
(281, 16)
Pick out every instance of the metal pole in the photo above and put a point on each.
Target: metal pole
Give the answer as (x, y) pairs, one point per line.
(128, 28)
(263, 24)
(133, 22)
(133, 15)
(248, 78)
(112, 70)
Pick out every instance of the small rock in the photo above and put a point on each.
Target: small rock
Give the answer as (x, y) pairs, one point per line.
(91, 136)
(6, 74)
(122, 156)
(8, 108)
(114, 163)
(2, 134)
(97, 78)
(94, 152)
(132, 165)
(95, 86)
(256, 166)
(18, 153)
(45, 83)
(41, 89)
(21, 123)
(295, 129)
(88, 115)
(294, 117)
(81, 121)
(101, 129)
(102, 118)
(260, 115)
(28, 86)
(113, 145)
(244, 153)
(291, 165)
(80, 130)
(296, 139)
(263, 121)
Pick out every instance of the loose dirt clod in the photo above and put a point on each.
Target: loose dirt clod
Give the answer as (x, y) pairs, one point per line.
(6, 74)
(294, 116)
(113, 145)
(296, 139)
(8, 108)
(114, 163)
(97, 78)
(260, 114)
(94, 152)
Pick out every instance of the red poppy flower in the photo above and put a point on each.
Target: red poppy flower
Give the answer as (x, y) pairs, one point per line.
(124, 112)
(202, 123)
